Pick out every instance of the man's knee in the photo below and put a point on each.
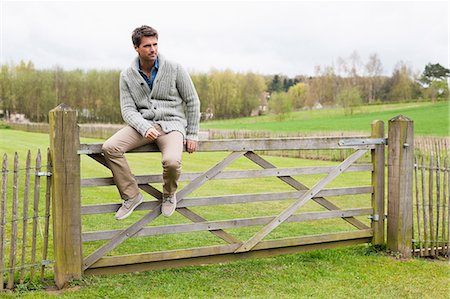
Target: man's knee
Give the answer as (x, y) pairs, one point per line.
(171, 165)
(109, 149)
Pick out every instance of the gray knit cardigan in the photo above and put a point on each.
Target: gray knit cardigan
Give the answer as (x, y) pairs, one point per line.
(172, 102)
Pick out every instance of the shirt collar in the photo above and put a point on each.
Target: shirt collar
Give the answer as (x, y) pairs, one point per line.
(156, 65)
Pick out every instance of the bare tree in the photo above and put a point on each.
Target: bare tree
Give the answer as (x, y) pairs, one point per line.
(374, 70)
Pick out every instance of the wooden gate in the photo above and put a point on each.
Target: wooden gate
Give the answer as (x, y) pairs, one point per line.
(366, 223)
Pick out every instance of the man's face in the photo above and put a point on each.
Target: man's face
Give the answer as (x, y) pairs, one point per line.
(148, 49)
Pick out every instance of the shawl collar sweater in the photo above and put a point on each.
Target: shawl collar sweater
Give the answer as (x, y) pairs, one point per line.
(172, 103)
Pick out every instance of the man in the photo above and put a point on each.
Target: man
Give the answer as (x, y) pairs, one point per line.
(159, 103)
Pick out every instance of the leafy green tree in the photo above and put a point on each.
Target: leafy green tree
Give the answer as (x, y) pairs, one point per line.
(434, 80)
(349, 98)
(280, 103)
(297, 93)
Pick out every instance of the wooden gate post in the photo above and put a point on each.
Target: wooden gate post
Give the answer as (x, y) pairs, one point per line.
(400, 183)
(378, 184)
(66, 203)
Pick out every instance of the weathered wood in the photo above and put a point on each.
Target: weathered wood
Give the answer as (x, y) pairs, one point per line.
(48, 187)
(430, 205)
(438, 201)
(121, 237)
(222, 258)
(197, 218)
(300, 202)
(448, 210)
(400, 177)
(14, 220)
(419, 231)
(230, 199)
(100, 159)
(444, 209)
(299, 186)
(3, 217)
(66, 205)
(236, 174)
(378, 179)
(208, 175)
(312, 242)
(37, 191)
(213, 226)
(134, 228)
(26, 191)
(266, 144)
(424, 206)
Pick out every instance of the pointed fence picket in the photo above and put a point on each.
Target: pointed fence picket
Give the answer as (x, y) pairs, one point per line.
(431, 234)
(22, 253)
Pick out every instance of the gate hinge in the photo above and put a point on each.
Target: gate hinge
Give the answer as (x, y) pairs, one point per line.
(374, 217)
(41, 173)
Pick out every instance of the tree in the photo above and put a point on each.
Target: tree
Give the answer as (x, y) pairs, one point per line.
(434, 81)
(297, 93)
(402, 83)
(374, 69)
(281, 104)
(349, 98)
(434, 72)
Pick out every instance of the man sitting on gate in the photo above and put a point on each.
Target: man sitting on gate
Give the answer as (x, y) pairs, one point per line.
(159, 103)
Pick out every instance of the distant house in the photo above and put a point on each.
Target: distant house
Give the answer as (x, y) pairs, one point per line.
(263, 104)
(17, 118)
(317, 106)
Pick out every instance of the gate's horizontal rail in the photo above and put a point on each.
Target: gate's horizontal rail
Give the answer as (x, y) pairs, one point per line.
(263, 144)
(223, 253)
(230, 199)
(225, 224)
(236, 174)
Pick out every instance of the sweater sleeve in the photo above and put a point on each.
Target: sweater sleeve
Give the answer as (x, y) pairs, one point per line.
(130, 113)
(189, 95)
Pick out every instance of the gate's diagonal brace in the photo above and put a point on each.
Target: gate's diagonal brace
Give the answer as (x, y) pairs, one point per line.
(303, 200)
(299, 186)
(99, 158)
(199, 181)
(211, 173)
(197, 218)
(121, 237)
(137, 226)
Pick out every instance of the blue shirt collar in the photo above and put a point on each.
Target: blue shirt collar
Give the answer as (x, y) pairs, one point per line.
(156, 66)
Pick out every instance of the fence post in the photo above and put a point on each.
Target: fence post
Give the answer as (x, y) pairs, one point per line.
(66, 203)
(400, 183)
(378, 184)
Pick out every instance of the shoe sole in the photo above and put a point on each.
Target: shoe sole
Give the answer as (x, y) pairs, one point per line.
(131, 211)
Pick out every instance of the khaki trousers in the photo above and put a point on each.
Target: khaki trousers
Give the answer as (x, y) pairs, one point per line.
(171, 147)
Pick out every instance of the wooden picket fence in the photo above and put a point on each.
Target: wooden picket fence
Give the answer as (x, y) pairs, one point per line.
(432, 207)
(22, 216)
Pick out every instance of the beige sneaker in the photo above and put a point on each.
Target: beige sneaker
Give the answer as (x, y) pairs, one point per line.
(168, 205)
(128, 207)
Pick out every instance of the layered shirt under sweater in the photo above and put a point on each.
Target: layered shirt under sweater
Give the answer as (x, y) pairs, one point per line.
(172, 103)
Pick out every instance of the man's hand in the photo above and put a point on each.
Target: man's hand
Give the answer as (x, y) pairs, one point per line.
(191, 146)
(152, 134)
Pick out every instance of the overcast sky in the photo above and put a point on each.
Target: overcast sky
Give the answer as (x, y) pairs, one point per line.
(266, 37)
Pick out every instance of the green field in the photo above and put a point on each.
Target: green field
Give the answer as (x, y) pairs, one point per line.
(355, 272)
(429, 119)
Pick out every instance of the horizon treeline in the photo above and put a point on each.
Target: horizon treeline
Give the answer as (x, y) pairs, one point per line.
(224, 94)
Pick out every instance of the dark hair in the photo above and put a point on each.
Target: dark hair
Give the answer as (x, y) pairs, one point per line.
(139, 32)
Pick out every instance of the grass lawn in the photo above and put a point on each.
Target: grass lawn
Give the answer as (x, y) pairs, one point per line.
(356, 271)
(429, 119)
